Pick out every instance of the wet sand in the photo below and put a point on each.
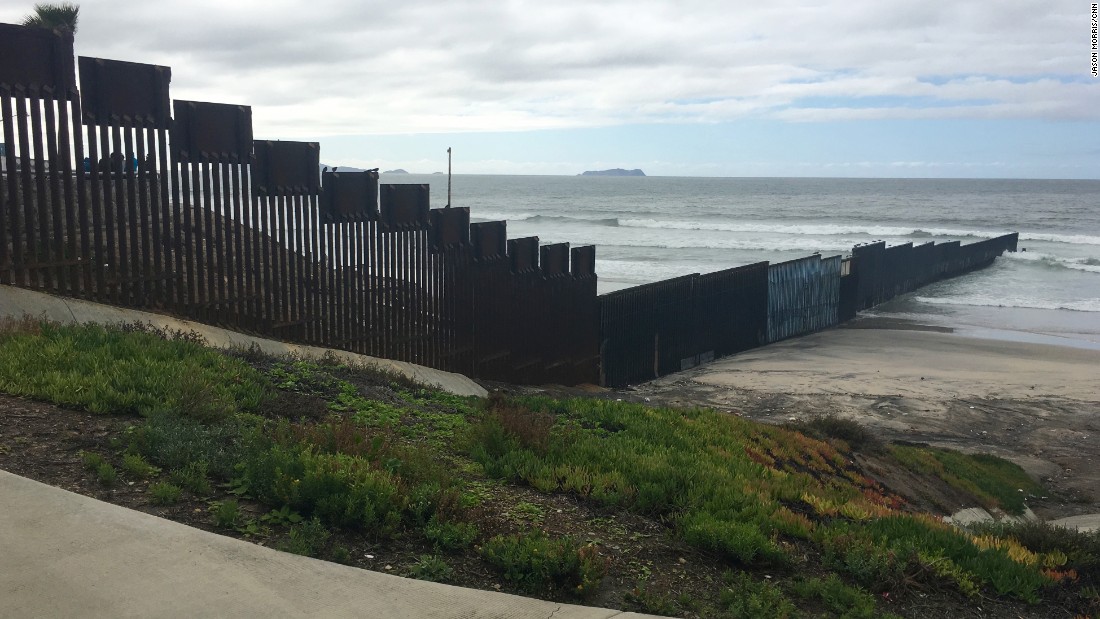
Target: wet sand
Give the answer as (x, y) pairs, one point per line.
(1035, 404)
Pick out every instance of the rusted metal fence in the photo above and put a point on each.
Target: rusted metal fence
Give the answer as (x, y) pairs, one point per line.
(803, 296)
(117, 194)
(660, 328)
(114, 192)
(656, 329)
(881, 273)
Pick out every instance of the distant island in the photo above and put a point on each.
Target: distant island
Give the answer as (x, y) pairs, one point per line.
(615, 172)
(397, 171)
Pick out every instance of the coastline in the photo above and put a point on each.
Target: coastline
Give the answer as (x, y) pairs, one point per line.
(1035, 404)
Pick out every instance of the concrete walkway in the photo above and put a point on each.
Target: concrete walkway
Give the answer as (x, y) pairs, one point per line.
(17, 302)
(67, 555)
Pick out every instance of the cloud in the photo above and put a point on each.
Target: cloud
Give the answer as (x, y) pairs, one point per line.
(329, 67)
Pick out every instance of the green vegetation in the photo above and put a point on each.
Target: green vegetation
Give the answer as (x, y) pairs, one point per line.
(164, 493)
(132, 370)
(307, 538)
(55, 16)
(227, 514)
(994, 481)
(534, 561)
(135, 465)
(332, 455)
(433, 568)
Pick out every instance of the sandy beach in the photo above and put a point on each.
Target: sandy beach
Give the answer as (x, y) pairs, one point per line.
(1035, 404)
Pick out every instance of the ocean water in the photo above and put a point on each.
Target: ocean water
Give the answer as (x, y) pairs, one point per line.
(653, 228)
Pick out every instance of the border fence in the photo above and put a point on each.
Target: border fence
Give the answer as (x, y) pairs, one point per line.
(656, 329)
(115, 193)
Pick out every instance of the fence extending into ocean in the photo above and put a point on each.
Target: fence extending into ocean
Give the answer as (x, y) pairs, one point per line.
(116, 193)
(664, 327)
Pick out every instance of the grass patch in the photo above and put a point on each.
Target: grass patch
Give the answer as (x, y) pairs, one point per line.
(432, 568)
(534, 561)
(136, 466)
(130, 370)
(164, 493)
(994, 481)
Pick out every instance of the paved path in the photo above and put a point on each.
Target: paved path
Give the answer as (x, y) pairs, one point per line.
(67, 555)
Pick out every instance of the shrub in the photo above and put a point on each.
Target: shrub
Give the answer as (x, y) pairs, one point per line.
(164, 493)
(741, 541)
(227, 514)
(746, 598)
(174, 443)
(533, 561)
(450, 536)
(308, 538)
(531, 428)
(432, 568)
(106, 474)
(91, 460)
(341, 490)
(135, 466)
(192, 477)
(831, 426)
(847, 602)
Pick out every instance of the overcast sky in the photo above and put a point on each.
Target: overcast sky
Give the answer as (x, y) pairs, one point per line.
(692, 87)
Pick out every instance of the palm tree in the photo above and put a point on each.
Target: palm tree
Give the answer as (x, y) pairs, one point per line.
(60, 16)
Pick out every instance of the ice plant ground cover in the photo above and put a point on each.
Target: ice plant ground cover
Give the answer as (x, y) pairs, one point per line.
(682, 512)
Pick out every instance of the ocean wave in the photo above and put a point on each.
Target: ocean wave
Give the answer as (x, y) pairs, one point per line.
(644, 271)
(809, 229)
(588, 221)
(897, 233)
(494, 216)
(1079, 305)
(1072, 239)
(1088, 265)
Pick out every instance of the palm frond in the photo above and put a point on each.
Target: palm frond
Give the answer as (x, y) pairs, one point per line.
(55, 16)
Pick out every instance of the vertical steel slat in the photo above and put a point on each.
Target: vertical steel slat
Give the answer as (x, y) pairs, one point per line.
(41, 245)
(145, 225)
(177, 179)
(261, 210)
(254, 274)
(121, 203)
(354, 300)
(110, 245)
(215, 247)
(77, 249)
(22, 238)
(134, 284)
(59, 172)
(308, 268)
(279, 278)
(158, 215)
(227, 266)
(149, 202)
(195, 269)
(404, 256)
(8, 227)
(346, 266)
(94, 187)
(239, 230)
(34, 194)
(338, 259)
(290, 251)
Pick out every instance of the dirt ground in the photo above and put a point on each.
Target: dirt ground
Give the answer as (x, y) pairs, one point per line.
(1036, 405)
